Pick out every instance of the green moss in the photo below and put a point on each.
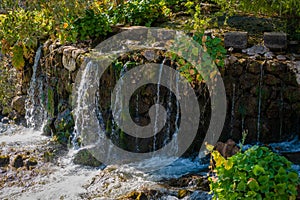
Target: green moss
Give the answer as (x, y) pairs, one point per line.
(50, 101)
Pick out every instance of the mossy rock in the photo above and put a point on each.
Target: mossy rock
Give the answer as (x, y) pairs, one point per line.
(31, 162)
(64, 121)
(84, 157)
(48, 156)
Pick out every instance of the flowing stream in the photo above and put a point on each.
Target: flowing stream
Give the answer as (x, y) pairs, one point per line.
(62, 179)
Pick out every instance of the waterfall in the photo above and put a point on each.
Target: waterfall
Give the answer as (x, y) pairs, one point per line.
(259, 101)
(232, 109)
(281, 111)
(136, 115)
(35, 111)
(116, 132)
(155, 129)
(80, 102)
(175, 147)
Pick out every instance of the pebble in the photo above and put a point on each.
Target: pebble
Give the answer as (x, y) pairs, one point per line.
(281, 57)
(269, 55)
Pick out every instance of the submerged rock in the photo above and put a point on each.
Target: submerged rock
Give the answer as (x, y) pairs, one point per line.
(4, 160)
(18, 161)
(31, 162)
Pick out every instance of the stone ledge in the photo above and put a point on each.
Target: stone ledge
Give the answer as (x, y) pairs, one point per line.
(275, 40)
(236, 40)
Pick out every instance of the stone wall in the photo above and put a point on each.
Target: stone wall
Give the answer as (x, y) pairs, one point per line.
(263, 96)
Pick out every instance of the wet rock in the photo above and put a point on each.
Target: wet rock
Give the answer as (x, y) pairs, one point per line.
(31, 162)
(236, 40)
(5, 120)
(84, 157)
(4, 160)
(18, 104)
(275, 40)
(18, 161)
(227, 149)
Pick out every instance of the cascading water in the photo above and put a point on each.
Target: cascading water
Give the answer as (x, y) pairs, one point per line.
(175, 146)
(155, 129)
(259, 101)
(35, 111)
(232, 109)
(281, 106)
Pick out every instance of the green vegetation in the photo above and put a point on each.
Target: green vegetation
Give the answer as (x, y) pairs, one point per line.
(7, 86)
(26, 24)
(257, 173)
(137, 12)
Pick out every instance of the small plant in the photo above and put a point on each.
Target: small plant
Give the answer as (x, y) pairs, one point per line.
(257, 173)
(213, 46)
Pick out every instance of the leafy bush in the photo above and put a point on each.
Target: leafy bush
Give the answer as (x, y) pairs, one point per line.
(258, 173)
(214, 51)
(92, 25)
(20, 32)
(136, 12)
(25, 25)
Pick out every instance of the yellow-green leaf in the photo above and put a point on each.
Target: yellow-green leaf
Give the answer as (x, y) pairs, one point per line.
(209, 147)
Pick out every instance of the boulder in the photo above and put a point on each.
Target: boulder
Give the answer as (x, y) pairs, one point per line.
(84, 157)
